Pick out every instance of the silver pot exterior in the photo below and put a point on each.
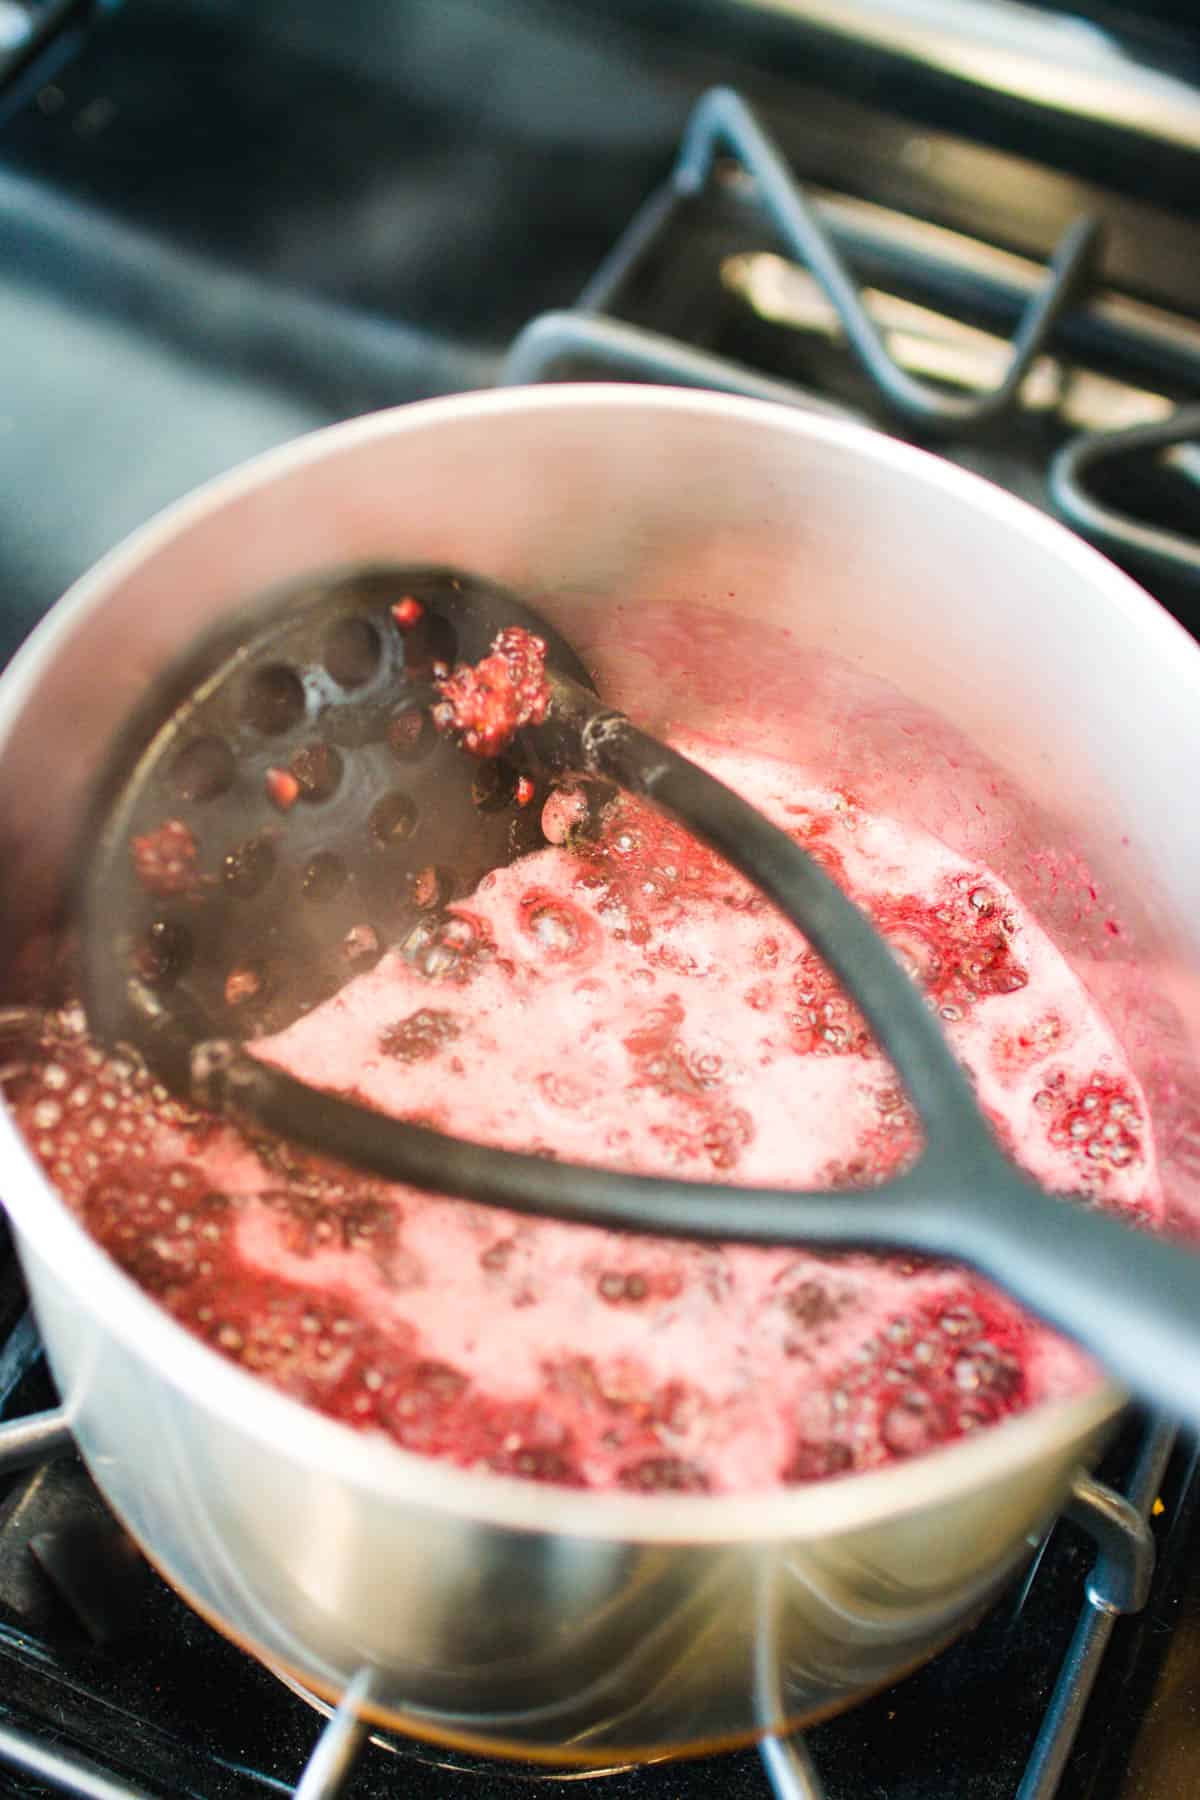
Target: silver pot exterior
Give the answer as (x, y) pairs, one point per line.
(786, 582)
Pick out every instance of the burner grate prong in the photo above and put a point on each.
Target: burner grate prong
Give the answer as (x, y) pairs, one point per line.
(721, 123)
(789, 1769)
(1162, 551)
(1119, 1583)
(339, 1746)
(24, 1443)
(67, 1774)
(721, 120)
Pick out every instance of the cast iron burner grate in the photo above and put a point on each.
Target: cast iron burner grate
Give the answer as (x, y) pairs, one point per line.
(1094, 385)
(1122, 450)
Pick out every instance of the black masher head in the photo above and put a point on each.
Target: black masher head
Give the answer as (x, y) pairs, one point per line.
(281, 809)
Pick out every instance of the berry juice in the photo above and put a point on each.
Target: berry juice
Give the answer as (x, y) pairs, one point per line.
(622, 997)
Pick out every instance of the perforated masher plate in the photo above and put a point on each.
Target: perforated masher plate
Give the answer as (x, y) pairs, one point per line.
(282, 810)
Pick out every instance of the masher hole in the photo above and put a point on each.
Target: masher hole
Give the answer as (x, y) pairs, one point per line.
(318, 769)
(393, 820)
(410, 734)
(274, 700)
(494, 785)
(352, 652)
(162, 953)
(203, 769)
(431, 887)
(432, 640)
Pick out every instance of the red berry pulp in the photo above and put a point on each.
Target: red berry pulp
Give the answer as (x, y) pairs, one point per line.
(486, 703)
(622, 997)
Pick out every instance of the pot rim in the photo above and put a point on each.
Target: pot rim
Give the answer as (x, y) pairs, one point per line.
(305, 1437)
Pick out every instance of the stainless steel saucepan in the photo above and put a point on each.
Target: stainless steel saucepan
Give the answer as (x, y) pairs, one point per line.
(775, 580)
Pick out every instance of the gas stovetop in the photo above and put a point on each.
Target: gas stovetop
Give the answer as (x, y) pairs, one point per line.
(221, 226)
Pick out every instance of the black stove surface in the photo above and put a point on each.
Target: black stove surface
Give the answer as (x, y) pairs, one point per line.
(224, 224)
(220, 227)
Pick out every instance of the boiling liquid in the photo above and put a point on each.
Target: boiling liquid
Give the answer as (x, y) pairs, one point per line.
(629, 1001)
